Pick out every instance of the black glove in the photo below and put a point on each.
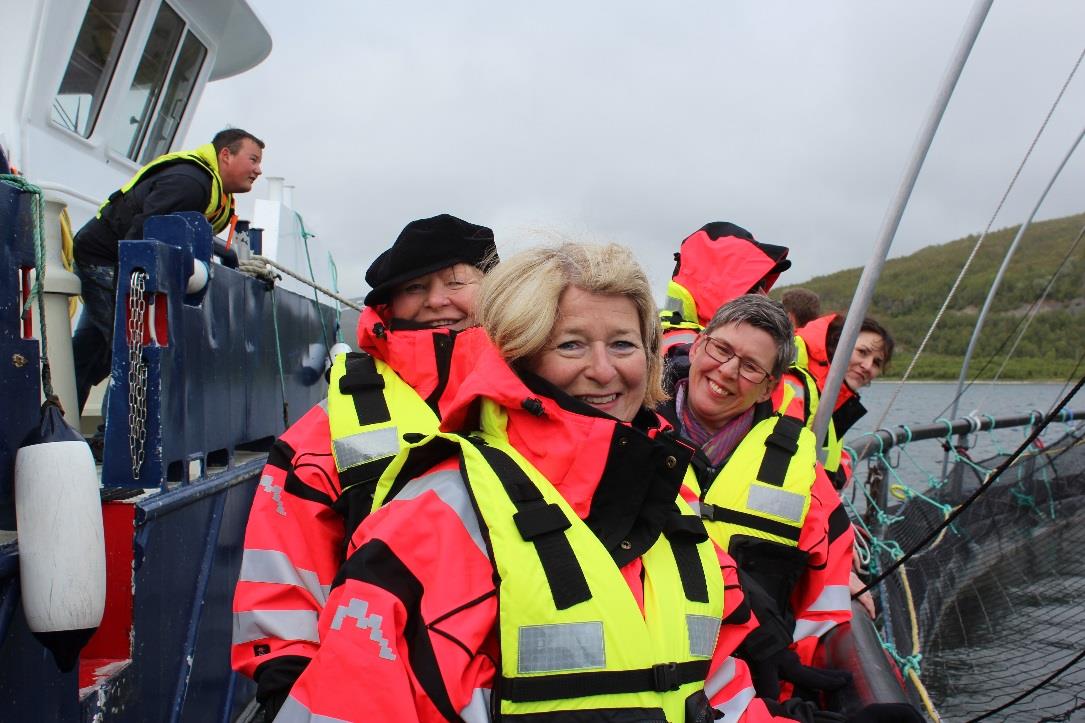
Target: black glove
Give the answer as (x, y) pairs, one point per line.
(785, 665)
(888, 713)
(803, 711)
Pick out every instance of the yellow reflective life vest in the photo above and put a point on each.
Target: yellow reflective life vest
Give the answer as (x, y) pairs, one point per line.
(220, 205)
(572, 636)
(679, 310)
(369, 409)
(763, 490)
(834, 446)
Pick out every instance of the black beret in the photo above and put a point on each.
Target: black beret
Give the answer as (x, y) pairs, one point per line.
(425, 246)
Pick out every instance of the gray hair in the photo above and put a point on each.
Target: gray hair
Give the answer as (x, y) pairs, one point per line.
(763, 313)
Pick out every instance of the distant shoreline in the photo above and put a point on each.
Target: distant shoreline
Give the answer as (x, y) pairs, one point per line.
(950, 381)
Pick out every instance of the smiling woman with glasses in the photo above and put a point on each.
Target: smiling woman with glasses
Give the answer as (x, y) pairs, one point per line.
(722, 352)
(768, 504)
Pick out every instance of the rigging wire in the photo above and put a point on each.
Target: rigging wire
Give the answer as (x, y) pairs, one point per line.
(983, 487)
(1018, 332)
(979, 242)
(1030, 316)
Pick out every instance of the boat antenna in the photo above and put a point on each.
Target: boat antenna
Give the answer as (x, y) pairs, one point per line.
(865, 291)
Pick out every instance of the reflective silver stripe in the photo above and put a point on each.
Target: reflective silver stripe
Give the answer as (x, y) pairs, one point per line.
(696, 507)
(451, 489)
(275, 567)
(478, 708)
(358, 611)
(733, 708)
(776, 502)
(797, 387)
(561, 647)
(808, 628)
(323, 404)
(267, 484)
(361, 447)
(673, 303)
(293, 711)
(720, 678)
(278, 624)
(703, 630)
(833, 598)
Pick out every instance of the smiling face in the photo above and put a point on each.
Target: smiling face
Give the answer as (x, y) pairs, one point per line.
(867, 361)
(595, 353)
(240, 170)
(444, 299)
(717, 391)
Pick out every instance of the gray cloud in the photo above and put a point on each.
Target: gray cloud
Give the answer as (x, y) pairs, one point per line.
(640, 122)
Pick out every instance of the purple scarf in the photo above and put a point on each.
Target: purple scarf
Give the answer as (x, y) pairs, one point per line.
(716, 445)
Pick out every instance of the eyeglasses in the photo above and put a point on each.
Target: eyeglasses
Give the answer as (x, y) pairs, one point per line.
(723, 353)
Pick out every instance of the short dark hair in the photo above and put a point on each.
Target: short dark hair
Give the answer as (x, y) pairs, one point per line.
(760, 312)
(832, 337)
(804, 305)
(231, 138)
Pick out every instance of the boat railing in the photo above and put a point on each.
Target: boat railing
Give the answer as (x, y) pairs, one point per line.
(869, 444)
(202, 370)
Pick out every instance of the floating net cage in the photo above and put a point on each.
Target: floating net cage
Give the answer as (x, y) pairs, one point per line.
(989, 614)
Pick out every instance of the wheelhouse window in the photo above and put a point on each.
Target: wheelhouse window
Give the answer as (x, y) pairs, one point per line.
(172, 108)
(90, 69)
(167, 63)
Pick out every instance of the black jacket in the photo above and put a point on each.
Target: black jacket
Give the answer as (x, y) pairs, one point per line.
(177, 187)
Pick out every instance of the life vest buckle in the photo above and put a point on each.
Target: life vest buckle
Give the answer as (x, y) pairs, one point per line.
(786, 442)
(537, 521)
(665, 677)
(352, 383)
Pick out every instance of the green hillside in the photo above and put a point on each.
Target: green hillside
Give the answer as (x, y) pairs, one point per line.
(913, 288)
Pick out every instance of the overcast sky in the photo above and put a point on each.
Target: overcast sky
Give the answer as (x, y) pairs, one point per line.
(640, 122)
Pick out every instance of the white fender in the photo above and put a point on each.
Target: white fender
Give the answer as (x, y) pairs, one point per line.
(199, 277)
(58, 511)
(338, 348)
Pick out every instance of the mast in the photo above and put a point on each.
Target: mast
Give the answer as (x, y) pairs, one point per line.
(873, 270)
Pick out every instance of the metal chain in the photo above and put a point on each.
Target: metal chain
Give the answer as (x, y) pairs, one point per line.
(137, 372)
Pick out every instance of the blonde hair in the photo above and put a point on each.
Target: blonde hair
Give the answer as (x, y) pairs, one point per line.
(518, 302)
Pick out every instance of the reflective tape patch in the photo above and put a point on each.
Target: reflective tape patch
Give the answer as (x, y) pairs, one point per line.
(561, 647)
(357, 609)
(452, 490)
(278, 624)
(478, 708)
(362, 447)
(267, 484)
(719, 679)
(275, 567)
(703, 630)
(772, 501)
(832, 599)
(672, 303)
(734, 708)
(294, 711)
(811, 628)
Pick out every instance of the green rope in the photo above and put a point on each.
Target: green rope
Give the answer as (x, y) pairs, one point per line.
(21, 184)
(279, 359)
(305, 236)
(906, 663)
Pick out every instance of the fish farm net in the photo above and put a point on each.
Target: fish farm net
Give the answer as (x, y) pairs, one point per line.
(988, 613)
